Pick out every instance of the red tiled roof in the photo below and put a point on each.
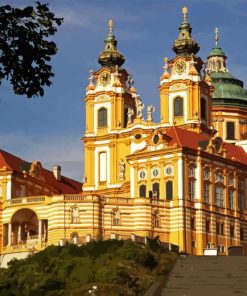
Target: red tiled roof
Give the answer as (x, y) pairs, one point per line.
(64, 186)
(183, 137)
(186, 138)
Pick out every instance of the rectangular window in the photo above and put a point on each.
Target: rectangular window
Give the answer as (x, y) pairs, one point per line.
(231, 230)
(217, 228)
(206, 192)
(230, 130)
(219, 196)
(222, 228)
(207, 225)
(169, 190)
(192, 190)
(240, 201)
(241, 234)
(102, 167)
(192, 223)
(231, 199)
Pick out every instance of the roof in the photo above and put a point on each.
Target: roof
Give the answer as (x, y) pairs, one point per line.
(228, 89)
(193, 140)
(16, 164)
(217, 51)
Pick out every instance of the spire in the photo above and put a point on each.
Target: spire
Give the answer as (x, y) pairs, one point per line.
(216, 61)
(216, 36)
(185, 45)
(110, 56)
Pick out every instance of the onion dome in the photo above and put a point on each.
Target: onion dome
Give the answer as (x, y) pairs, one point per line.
(185, 45)
(110, 57)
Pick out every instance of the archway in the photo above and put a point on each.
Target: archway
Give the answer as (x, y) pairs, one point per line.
(25, 226)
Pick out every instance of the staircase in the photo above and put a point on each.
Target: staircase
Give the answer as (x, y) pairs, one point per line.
(209, 276)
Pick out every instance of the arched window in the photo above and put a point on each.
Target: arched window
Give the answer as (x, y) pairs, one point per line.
(203, 109)
(116, 217)
(75, 215)
(142, 190)
(178, 106)
(156, 219)
(102, 117)
(156, 190)
(169, 190)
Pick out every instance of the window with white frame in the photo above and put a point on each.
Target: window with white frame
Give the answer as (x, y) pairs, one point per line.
(231, 199)
(240, 195)
(219, 195)
(191, 171)
(206, 173)
(155, 173)
(219, 178)
(206, 192)
(102, 166)
(231, 180)
(102, 117)
(191, 190)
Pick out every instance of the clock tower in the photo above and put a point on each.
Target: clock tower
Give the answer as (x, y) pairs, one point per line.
(185, 93)
(110, 95)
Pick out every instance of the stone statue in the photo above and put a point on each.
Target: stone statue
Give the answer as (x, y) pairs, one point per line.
(139, 107)
(150, 111)
(130, 80)
(91, 77)
(130, 115)
(121, 175)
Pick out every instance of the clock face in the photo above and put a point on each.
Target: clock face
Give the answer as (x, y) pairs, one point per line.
(105, 78)
(180, 67)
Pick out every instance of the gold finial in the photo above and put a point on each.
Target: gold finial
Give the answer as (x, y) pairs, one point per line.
(216, 36)
(185, 12)
(110, 24)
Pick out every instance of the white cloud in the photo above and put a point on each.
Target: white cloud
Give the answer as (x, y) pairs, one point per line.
(65, 150)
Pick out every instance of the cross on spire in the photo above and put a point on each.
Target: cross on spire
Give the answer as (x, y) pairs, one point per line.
(216, 36)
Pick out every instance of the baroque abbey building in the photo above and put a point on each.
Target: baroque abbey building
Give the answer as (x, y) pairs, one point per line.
(183, 178)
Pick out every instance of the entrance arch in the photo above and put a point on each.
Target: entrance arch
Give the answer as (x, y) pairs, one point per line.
(25, 226)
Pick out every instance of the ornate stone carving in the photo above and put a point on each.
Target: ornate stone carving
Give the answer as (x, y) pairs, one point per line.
(121, 175)
(150, 111)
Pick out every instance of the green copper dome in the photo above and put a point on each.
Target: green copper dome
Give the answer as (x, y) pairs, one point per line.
(217, 51)
(228, 90)
(110, 56)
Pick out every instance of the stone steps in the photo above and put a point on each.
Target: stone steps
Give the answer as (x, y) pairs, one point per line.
(208, 275)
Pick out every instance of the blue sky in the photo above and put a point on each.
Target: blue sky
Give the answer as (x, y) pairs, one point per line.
(49, 128)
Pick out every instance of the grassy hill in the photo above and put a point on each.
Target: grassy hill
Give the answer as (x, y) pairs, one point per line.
(115, 267)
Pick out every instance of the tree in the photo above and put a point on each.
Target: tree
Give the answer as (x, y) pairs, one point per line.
(25, 47)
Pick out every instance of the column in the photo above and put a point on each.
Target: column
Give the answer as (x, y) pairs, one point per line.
(40, 231)
(9, 234)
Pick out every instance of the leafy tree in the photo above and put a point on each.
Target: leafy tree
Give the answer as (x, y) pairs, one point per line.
(25, 48)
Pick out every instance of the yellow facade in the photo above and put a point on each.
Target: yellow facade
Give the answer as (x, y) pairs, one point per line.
(176, 179)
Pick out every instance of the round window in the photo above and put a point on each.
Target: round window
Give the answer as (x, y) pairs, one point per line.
(142, 174)
(156, 139)
(168, 170)
(138, 136)
(155, 172)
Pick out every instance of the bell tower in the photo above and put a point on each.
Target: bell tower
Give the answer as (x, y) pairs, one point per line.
(229, 99)
(185, 94)
(110, 95)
